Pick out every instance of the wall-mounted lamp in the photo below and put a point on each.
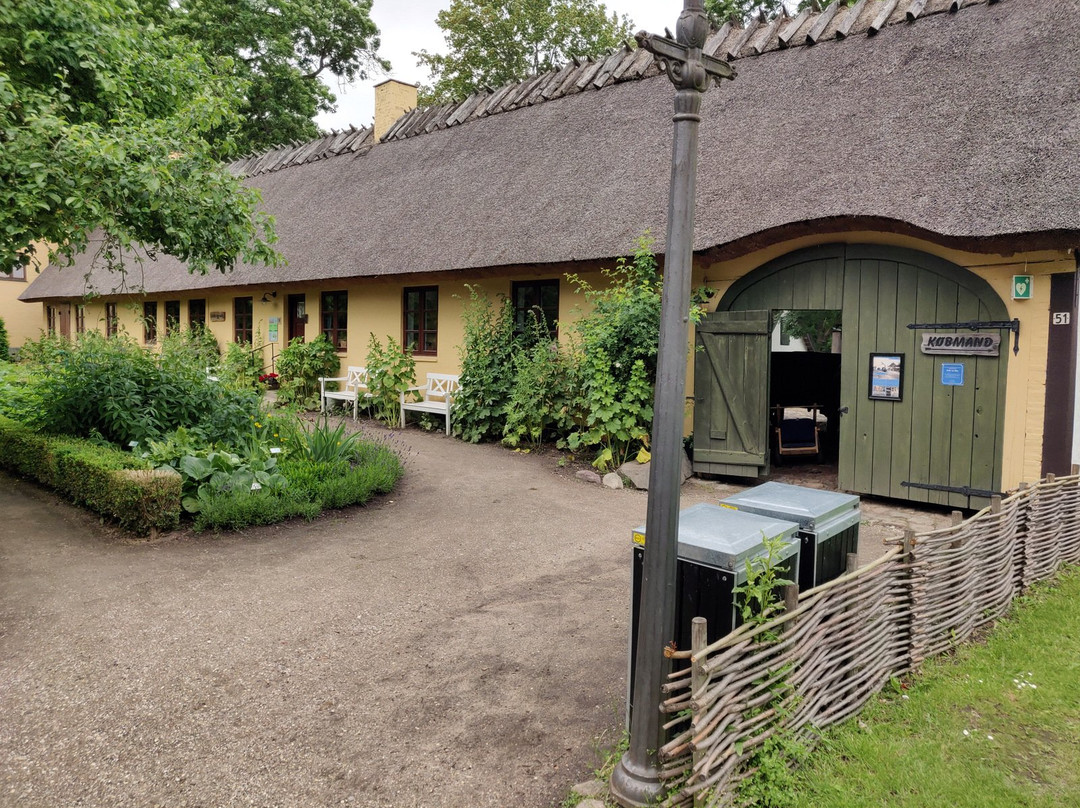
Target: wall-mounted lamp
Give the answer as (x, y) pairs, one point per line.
(268, 296)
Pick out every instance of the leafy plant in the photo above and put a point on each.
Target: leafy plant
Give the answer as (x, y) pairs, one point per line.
(112, 388)
(221, 472)
(242, 365)
(617, 418)
(323, 444)
(196, 346)
(390, 371)
(487, 368)
(301, 365)
(814, 327)
(757, 599)
(5, 350)
(540, 379)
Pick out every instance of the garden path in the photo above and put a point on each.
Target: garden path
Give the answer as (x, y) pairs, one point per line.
(460, 642)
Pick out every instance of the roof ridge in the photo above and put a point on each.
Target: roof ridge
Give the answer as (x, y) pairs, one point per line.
(731, 42)
(328, 144)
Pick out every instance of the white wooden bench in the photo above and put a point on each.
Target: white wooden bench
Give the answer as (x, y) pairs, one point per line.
(438, 396)
(354, 388)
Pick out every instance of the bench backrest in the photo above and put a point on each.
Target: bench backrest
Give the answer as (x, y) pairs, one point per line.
(441, 385)
(356, 377)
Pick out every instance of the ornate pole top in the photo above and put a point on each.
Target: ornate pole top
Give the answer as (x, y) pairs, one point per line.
(686, 66)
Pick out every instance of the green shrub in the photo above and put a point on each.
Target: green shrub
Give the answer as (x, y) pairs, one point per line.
(540, 389)
(196, 347)
(5, 349)
(45, 351)
(241, 366)
(101, 478)
(300, 366)
(112, 388)
(487, 369)
(390, 371)
(322, 444)
(236, 509)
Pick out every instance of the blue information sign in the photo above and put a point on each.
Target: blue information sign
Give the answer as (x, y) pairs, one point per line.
(952, 374)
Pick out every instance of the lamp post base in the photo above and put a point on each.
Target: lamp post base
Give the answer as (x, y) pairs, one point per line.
(635, 786)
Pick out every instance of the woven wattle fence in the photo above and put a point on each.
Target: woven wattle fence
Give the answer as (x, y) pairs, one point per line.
(820, 661)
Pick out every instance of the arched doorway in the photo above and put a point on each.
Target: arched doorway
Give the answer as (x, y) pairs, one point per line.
(928, 439)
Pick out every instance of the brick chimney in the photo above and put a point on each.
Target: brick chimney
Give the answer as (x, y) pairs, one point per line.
(393, 99)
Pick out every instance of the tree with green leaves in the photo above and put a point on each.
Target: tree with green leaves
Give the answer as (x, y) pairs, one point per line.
(279, 49)
(104, 127)
(495, 42)
(813, 327)
(740, 11)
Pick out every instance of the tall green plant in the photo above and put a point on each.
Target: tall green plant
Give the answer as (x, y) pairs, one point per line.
(242, 365)
(540, 388)
(487, 368)
(301, 365)
(5, 350)
(113, 389)
(196, 346)
(390, 371)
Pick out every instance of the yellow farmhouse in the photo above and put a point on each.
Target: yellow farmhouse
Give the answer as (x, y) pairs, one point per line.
(913, 171)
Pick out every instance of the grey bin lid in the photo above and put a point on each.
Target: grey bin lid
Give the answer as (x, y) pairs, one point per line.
(810, 507)
(725, 538)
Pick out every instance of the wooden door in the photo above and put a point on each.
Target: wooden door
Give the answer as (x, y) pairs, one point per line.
(731, 389)
(297, 316)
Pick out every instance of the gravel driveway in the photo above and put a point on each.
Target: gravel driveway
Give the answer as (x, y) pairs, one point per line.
(461, 642)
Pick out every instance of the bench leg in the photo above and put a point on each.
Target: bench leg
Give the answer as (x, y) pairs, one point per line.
(447, 420)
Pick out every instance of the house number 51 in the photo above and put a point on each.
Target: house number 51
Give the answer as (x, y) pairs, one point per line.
(1062, 318)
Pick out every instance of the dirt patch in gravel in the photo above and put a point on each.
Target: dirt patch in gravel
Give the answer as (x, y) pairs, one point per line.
(461, 642)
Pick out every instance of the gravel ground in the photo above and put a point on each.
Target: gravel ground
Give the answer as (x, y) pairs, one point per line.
(461, 642)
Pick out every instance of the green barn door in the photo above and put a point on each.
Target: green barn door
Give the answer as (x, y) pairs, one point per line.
(937, 440)
(731, 369)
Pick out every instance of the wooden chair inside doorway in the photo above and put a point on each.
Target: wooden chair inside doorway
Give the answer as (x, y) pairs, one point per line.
(797, 431)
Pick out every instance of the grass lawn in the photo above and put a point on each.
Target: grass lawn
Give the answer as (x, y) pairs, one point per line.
(998, 724)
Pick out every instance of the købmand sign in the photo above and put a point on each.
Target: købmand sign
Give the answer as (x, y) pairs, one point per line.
(962, 344)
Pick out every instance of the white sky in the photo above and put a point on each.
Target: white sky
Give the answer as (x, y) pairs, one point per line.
(406, 26)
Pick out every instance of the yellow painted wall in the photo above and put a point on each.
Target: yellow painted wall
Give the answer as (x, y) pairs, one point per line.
(375, 306)
(23, 321)
(1026, 385)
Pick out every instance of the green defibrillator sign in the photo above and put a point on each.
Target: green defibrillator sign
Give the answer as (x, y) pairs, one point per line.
(1021, 287)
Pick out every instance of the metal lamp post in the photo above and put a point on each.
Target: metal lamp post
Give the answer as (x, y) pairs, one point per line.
(636, 780)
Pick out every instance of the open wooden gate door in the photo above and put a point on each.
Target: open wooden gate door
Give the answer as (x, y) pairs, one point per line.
(731, 393)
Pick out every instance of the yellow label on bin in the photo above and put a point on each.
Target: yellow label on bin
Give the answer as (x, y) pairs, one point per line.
(639, 538)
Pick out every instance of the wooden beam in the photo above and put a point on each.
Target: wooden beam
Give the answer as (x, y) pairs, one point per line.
(882, 19)
(793, 28)
(915, 9)
(822, 23)
(851, 15)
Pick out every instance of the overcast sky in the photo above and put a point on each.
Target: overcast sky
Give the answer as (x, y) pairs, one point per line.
(406, 26)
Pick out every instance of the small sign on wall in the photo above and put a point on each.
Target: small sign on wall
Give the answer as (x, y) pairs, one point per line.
(217, 316)
(1021, 287)
(952, 374)
(272, 329)
(962, 344)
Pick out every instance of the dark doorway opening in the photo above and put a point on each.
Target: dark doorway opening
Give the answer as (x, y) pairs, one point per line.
(297, 307)
(804, 387)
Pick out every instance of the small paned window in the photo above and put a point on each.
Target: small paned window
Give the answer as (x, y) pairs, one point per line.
(197, 313)
(242, 318)
(539, 298)
(80, 318)
(172, 316)
(421, 310)
(110, 319)
(17, 273)
(50, 319)
(334, 310)
(149, 313)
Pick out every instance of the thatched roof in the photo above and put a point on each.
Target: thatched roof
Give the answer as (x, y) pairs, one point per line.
(961, 125)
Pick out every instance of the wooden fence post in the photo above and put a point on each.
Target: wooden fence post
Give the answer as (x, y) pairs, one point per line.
(852, 562)
(699, 638)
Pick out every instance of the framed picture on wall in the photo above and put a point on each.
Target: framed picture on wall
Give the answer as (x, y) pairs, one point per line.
(886, 376)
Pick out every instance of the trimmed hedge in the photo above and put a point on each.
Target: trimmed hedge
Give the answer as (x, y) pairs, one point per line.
(101, 478)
